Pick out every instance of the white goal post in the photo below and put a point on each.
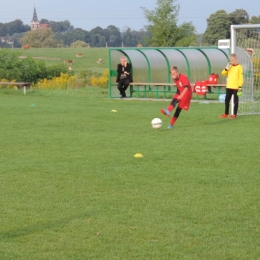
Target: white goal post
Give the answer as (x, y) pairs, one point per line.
(245, 38)
(233, 33)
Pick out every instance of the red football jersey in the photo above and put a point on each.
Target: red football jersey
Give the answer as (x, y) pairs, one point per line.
(181, 82)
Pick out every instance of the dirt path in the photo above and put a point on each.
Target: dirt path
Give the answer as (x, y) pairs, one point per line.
(46, 58)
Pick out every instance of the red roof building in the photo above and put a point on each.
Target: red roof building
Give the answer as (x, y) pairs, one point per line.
(44, 25)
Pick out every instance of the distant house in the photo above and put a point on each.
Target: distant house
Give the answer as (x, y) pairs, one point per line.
(35, 23)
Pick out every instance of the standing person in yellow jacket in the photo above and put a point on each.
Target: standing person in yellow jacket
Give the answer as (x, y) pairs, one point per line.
(235, 79)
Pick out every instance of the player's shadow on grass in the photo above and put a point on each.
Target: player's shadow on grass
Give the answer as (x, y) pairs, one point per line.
(219, 122)
(38, 227)
(224, 121)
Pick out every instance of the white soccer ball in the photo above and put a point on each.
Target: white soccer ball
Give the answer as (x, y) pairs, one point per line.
(156, 123)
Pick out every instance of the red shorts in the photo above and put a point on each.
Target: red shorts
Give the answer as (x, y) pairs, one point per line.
(184, 103)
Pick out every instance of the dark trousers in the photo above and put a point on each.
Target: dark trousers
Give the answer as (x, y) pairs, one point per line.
(229, 93)
(122, 86)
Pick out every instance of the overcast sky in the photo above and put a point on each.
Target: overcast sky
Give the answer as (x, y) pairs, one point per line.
(88, 14)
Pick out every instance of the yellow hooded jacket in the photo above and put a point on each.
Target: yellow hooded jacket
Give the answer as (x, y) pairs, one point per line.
(235, 76)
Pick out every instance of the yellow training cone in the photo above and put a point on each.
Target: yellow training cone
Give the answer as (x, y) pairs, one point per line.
(113, 110)
(138, 155)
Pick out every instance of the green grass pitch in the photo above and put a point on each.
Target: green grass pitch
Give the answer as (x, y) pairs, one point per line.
(70, 187)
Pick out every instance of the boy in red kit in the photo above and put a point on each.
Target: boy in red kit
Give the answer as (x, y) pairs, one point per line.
(182, 96)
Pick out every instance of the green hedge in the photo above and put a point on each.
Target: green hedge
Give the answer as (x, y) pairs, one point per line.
(26, 69)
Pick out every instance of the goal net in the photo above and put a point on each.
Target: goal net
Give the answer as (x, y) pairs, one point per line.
(245, 42)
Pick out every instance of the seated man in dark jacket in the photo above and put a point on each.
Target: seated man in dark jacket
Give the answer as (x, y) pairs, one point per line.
(123, 76)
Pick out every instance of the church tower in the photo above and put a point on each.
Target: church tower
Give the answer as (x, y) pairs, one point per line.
(35, 24)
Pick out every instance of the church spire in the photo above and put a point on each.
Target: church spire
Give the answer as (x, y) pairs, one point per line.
(35, 24)
(35, 18)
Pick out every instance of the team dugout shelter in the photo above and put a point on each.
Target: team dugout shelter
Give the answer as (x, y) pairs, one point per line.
(151, 68)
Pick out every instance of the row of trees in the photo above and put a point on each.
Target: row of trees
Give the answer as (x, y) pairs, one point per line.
(98, 37)
(162, 30)
(219, 24)
(110, 36)
(18, 27)
(13, 27)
